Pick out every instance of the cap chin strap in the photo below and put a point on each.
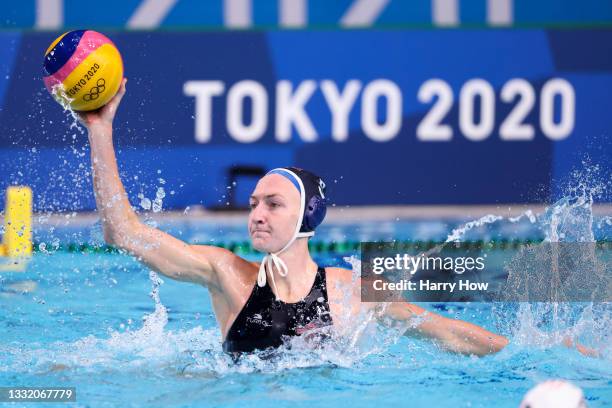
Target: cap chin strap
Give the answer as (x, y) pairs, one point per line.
(272, 260)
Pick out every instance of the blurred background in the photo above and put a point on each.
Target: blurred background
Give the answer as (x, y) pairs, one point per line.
(423, 102)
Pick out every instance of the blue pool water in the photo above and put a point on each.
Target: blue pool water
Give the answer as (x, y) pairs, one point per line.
(103, 324)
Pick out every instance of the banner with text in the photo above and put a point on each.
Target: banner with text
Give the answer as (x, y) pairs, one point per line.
(386, 117)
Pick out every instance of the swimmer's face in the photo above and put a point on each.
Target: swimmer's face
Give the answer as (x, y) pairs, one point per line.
(275, 207)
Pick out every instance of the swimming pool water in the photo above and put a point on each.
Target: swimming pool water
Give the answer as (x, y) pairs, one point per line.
(103, 324)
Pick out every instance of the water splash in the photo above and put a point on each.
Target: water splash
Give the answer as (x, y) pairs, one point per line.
(158, 201)
(565, 259)
(459, 232)
(59, 94)
(365, 331)
(145, 203)
(155, 322)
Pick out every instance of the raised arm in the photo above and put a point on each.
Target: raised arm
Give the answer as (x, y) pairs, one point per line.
(454, 335)
(122, 228)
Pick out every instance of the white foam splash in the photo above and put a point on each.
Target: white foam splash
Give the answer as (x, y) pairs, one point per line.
(59, 93)
(552, 323)
(459, 232)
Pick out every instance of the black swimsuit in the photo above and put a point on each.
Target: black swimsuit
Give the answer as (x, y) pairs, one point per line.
(265, 322)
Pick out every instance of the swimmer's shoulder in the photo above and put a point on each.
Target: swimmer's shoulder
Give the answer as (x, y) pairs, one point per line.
(227, 264)
(339, 280)
(343, 292)
(335, 274)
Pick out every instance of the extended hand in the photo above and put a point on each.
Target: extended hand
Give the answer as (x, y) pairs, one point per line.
(105, 115)
(587, 351)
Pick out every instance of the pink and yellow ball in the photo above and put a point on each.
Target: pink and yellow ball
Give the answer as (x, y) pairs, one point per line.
(83, 70)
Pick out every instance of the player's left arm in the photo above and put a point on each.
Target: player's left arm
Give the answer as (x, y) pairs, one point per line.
(454, 335)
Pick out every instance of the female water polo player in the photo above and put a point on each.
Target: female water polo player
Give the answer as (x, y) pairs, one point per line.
(287, 294)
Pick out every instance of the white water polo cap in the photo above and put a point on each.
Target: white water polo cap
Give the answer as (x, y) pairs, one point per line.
(313, 207)
(554, 394)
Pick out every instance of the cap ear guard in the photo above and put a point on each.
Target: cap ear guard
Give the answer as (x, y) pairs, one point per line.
(312, 193)
(314, 213)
